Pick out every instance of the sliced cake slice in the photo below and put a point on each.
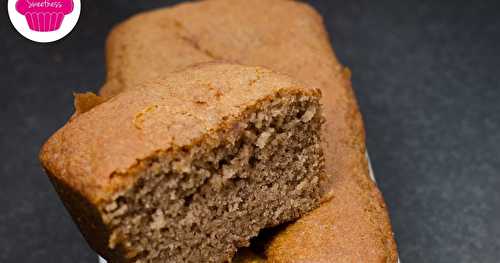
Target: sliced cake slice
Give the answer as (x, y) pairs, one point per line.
(189, 167)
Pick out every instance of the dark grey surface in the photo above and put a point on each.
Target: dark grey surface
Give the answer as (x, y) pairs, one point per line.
(427, 75)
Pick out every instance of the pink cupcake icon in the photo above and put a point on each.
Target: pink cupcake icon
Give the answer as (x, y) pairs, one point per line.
(44, 15)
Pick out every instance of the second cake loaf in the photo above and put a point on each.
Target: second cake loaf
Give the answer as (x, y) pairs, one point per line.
(288, 37)
(190, 167)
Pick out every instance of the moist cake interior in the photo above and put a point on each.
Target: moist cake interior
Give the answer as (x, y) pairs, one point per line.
(203, 202)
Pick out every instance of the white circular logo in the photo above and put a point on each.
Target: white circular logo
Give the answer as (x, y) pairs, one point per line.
(44, 20)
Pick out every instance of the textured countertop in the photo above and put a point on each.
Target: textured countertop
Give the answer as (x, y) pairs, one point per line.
(427, 76)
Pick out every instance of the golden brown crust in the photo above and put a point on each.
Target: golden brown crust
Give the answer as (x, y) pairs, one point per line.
(88, 219)
(288, 37)
(93, 153)
(86, 101)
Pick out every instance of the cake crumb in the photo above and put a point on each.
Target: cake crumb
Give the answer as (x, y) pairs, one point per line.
(264, 137)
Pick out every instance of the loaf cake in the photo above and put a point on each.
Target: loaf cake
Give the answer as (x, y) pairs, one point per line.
(189, 167)
(352, 225)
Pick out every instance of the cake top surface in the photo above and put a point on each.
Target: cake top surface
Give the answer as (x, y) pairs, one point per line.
(48, 6)
(281, 35)
(95, 150)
